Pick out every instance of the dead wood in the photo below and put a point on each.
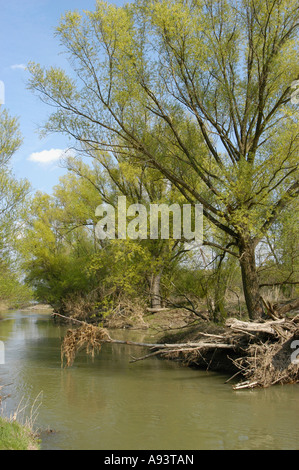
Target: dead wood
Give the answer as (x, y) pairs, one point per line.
(261, 352)
(294, 305)
(156, 310)
(276, 311)
(269, 309)
(254, 327)
(91, 338)
(270, 360)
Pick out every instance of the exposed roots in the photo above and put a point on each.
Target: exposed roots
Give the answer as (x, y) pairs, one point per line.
(86, 337)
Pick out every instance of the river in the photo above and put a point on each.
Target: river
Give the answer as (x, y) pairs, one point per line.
(112, 404)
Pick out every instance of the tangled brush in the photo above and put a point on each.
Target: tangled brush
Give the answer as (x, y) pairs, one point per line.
(86, 337)
(269, 363)
(127, 314)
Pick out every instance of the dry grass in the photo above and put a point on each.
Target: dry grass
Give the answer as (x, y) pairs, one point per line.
(17, 430)
(86, 337)
(123, 313)
(81, 306)
(127, 314)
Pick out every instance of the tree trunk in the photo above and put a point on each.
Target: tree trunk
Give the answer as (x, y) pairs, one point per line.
(250, 280)
(219, 312)
(155, 293)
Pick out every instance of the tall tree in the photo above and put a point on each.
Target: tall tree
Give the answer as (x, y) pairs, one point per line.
(57, 243)
(13, 195)
(12, 191)
(112, 176)
(152, 76)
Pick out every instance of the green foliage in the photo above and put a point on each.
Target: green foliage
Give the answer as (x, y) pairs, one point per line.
(55, 248)
(12, 291)
(12, 191)
(61, 255)
(13, 195)
(279, 257)
(14, 436)
(199, 93)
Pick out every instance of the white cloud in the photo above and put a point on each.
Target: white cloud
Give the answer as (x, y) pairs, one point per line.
(18, 66)
(47, 157)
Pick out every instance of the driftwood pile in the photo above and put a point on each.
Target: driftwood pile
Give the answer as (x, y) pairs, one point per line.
(262, 353)
(270, 355)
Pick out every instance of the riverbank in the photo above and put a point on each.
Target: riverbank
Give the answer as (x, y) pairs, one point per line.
(15, 436)
(169, 406)
(258, 352)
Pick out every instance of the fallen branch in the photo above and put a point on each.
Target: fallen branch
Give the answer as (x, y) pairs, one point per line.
(247, 384)
(288, 307)
(185, 347)
(254, 327)
(261, 352)
(91, 338)
(156, 310)
(269, 309)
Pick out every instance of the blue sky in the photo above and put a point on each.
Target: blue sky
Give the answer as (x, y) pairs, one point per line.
(27, 34)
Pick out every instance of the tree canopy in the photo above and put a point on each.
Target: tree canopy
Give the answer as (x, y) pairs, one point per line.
(200, 91)
(13, 194)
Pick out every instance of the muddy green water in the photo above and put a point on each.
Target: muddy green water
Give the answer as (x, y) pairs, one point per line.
(111, 404)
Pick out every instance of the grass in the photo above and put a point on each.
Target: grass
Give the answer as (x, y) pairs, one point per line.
(15, 436)
(16, 431)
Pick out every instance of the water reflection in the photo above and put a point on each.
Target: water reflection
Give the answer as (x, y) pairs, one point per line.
(153, 404)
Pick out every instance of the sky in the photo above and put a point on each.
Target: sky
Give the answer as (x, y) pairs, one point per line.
(27, 34)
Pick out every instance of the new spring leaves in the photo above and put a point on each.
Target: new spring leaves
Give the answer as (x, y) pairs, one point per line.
(143, 225)
(161, 221)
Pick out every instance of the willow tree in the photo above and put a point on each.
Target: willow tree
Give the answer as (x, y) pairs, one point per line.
(13, 192)
(226, 68)
(112, 176)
